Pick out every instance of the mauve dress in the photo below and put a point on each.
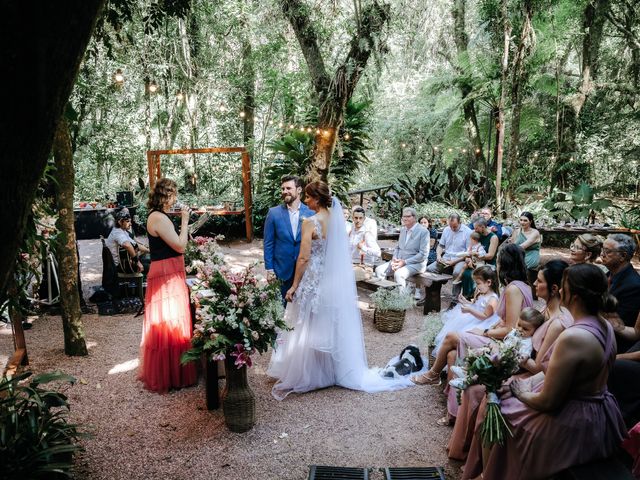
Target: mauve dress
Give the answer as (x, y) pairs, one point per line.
(471, 340)
(584, 429)
(472, 397)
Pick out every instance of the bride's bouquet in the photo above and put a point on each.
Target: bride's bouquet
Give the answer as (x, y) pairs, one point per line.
(237, 314)
(490, 366)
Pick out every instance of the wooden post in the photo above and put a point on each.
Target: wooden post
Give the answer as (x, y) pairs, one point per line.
(248, 205)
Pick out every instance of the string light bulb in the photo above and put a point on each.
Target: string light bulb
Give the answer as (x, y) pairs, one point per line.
(477, 151)
(318, 131)
(150, 86)
(464, 150)
(450, 150)
(180, 96)
(291, 127)
(309, 129)
(280, 125)
(404, 145)
(242, 114)
(222, 108)
(347, 136)
(118, 77)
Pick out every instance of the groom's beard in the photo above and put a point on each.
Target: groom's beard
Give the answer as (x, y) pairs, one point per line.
(289, 199)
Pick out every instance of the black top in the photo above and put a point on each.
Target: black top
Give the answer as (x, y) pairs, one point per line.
(625, 286)
(158, 248)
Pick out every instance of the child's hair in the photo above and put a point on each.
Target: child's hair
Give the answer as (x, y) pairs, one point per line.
(476, 236)
(532, 317)
(487, 273)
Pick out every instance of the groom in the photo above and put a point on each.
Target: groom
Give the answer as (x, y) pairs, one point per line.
(282, 233)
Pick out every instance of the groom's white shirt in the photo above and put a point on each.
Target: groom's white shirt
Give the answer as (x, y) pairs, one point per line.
(294, 218)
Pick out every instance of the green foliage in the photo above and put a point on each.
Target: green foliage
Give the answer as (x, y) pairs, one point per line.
(396, 299)
(36, 441)
(580, 204)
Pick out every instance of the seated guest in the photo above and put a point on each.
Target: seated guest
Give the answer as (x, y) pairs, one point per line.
(411, 252)
(364, 245)
(528, 237)
(624, 381)
(370, 224)
(586, 248)
(566, 417)
(515, 296)
(454, 239)
(624, 284)
(492, 225)
(347, 219)
(490, 242)
(122, 237)
(433, 237)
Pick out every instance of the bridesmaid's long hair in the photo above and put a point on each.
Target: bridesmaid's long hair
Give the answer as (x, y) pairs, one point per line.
(511, 264)
(590, 284)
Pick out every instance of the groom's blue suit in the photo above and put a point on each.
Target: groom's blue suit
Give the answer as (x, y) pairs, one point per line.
(280, 248)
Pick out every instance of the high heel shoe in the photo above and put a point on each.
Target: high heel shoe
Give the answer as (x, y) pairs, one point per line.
(427, 378)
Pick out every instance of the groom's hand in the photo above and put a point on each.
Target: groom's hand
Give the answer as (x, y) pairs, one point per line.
(271, 276)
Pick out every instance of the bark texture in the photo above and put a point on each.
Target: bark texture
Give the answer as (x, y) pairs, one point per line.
(66, 254)
(333, 92)
(500, 126)
(461, 40)
(41, 49)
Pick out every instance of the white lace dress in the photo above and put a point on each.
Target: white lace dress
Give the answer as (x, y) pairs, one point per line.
(326, 345)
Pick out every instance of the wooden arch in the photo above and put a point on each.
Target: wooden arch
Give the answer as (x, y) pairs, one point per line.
(155, 172)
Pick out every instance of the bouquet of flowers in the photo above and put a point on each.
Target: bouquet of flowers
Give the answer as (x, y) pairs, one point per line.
(237, 314)
(490, 366)
(202, 250)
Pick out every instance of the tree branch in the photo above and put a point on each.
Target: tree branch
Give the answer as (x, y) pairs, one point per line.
(628, 34)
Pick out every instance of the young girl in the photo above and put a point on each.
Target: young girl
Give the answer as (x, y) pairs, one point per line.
(480, 313)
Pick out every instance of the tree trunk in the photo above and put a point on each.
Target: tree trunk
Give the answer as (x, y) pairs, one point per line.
(501, 104)
(332, 94)
(74, 343)
(468, 106)
(519, 80)
(248, 93)
(41, 57)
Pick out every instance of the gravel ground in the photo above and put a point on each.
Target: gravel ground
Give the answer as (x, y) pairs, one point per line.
(138, 434)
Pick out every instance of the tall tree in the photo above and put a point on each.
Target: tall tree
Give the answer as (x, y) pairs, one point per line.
(41, 58)
(74, 343)
(333, 92)
(461, 40)
(500, 126)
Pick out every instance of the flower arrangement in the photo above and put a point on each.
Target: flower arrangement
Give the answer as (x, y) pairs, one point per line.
(237, 314)
(392, 299)
(203, 250)
(490, 366)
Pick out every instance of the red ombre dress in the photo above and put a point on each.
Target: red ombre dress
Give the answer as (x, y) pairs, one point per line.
(166, 332)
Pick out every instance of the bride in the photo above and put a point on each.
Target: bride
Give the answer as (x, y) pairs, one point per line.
(326, 345)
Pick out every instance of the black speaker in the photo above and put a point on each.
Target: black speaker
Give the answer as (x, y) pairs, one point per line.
(124, 199)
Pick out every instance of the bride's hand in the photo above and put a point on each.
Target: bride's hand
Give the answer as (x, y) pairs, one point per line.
(289, 295)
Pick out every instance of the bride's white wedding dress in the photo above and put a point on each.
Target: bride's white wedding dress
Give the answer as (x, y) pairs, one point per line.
(326, 345)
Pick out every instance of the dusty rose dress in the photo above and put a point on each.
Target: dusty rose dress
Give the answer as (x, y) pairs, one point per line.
(472, 397)
(471, 340)
(584, 429)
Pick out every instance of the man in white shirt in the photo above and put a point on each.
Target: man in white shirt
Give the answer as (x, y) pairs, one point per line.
(454, 240)
(364, 245)
(119, 237)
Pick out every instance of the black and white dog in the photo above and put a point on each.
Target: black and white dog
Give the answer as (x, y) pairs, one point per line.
(408, 362)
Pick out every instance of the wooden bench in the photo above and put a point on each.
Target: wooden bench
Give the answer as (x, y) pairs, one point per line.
(374, 283)
(432, 283)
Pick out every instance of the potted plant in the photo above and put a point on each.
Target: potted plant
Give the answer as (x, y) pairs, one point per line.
(36, 439)
(391, 306)
(237, 315)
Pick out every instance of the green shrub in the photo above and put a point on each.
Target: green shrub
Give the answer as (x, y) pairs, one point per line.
(36, 441)
(393, 299)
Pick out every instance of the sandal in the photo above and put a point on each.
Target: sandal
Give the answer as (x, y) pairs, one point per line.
(426, 379)
(444, 421)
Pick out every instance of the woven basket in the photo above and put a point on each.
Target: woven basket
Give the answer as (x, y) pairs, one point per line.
(389, 321)
(238, 400)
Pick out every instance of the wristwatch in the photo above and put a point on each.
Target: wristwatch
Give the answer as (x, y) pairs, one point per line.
(484, 333)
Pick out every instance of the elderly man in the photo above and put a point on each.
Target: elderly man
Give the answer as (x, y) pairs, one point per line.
(624, 284)
(411, 253)
(453, 241)
(493, 226)
(363, 242)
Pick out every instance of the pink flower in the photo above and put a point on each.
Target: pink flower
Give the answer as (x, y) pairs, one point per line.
(242, 356)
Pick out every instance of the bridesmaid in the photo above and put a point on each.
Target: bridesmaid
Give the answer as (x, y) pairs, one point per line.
(566, 417)
(166, 332)
(528, 237)
(547, 287)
